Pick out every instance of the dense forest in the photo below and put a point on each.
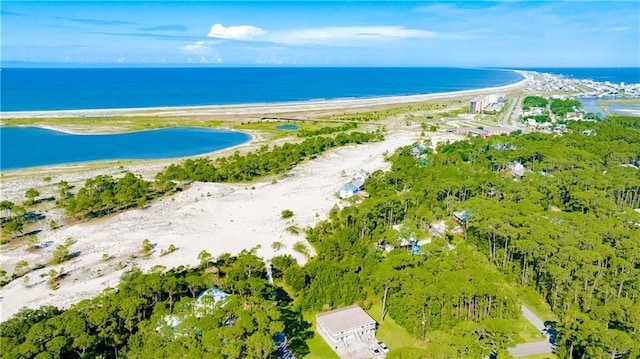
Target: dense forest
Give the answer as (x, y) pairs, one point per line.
(564, 226)
(159, 315)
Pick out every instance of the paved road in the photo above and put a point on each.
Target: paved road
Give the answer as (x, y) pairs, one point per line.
(541, 347)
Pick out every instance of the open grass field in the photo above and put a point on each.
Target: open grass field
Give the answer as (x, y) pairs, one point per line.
(318, 347)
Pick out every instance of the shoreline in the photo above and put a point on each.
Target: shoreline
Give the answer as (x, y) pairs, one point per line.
(263, 108)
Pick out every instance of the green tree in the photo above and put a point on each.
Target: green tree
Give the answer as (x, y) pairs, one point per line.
(61, 254)
(21, 268)
(31, 195)
(7, 206)
(147, 247)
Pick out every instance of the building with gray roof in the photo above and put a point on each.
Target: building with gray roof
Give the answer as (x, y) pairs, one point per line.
(346, 326)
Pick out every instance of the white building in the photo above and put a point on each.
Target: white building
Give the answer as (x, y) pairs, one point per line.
(346, 326)
(348, 190)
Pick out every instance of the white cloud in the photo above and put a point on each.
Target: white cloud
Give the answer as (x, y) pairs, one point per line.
(242, 32)
(121, 60)
(620, 28)
(349, 34)
(215, 59)
(319, 36)
(199, 47)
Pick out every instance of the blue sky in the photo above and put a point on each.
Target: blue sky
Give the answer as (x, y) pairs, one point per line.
(356, 33)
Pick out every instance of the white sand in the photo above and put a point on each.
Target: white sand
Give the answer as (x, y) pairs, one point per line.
(218, 218)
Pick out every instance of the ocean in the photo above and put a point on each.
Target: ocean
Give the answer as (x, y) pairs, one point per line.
(628, 75)
(41, 89)
(53, 147)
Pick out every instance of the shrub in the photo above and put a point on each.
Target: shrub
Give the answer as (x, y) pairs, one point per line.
(287, 213)
(61, 254)
(147, 247)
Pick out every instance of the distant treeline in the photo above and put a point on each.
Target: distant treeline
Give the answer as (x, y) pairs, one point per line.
(327, 130)
(262, 162)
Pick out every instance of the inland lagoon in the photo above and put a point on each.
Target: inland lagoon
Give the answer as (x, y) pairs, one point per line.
(287, 127)
(24, 147)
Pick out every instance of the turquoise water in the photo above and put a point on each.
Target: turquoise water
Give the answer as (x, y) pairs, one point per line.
(287, 127)
(23, 147)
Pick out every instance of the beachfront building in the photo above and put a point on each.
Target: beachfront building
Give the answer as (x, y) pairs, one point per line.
(491, 103)
(476, 105)
(346, 326)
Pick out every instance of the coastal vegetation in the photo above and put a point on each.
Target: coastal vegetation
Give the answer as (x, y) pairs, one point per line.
(560, 107)
(534, 101)
(116, 123)
(158, 315)
(103, 195)
(327, 130)
(566, 229)
(563, 228)
(263, 162)
(383, 114)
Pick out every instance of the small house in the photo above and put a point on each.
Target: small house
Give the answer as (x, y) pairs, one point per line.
(362, 174)
(358, 182)
(347, 190)
(462, 217)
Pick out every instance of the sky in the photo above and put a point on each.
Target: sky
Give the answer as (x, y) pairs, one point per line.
(321, 33)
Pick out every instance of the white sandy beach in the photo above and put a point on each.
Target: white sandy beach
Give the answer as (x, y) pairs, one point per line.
(218, 218)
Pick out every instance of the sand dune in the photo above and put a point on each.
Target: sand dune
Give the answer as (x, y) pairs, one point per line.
(218, 218)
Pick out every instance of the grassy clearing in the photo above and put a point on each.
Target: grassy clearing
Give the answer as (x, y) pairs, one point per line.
(319, 349)
(269, 129)
(390, 332)
(116, 123)
(537, 305)
(528, 333)
(627, 101)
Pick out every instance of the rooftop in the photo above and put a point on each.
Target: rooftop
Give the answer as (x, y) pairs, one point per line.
(344, 319)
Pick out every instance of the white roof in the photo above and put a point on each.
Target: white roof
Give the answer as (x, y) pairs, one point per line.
(344, 319)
